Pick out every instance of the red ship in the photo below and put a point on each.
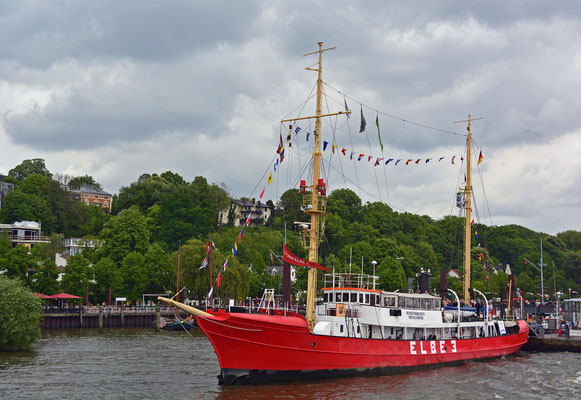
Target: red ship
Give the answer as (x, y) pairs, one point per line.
(354, 328)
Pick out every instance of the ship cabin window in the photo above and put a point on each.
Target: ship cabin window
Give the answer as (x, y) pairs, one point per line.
(427, 304)
(353, 297)
(338, 297)
(341, 328)
(377, 300)
(361, 297)
(331, 297)
(389, 301)
(366, 298)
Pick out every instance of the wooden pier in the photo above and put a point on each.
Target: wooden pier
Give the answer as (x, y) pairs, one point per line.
(104, 317)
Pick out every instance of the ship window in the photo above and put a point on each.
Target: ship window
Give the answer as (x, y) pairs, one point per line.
(331, 297)
(358, 329)
(366, 298)
(360, 297)
(377, 300)
(353, 297)
(338, 297)
(341, 328)
(425, 304)
(325, 297)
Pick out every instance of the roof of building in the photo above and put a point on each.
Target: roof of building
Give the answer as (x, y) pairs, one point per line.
(90, 189)
(247, 203)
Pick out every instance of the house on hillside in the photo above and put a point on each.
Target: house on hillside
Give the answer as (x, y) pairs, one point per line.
(258, 212)
(76, 245)
(26, 233)
(278, 270)
(453, 273)
(92, 196)
(503, 268)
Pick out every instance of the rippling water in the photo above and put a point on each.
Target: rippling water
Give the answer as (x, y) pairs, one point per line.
(140, 363)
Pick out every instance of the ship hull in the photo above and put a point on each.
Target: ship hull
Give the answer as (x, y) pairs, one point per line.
(258, 348)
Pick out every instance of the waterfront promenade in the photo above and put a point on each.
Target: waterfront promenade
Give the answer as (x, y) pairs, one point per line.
(102, 316)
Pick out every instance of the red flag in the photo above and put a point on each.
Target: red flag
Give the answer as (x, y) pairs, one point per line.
(453, 159)
(219, 279)
(408, 161)
(343, 151)
(280, 145)
(262, 194)
(290, 258)
(208, 248)
(369, 158)
(479, 158)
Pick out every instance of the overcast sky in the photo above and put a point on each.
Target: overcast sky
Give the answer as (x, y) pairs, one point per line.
(115, 89)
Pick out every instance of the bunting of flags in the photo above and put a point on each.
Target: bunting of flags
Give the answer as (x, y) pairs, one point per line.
(204, 263)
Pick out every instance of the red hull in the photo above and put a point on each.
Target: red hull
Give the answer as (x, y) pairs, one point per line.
(257, 346)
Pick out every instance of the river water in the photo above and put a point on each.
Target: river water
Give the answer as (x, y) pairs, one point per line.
(143, 364)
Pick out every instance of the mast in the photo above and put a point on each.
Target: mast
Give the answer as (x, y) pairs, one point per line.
(467, 190)
(314, 239)
(315, 207)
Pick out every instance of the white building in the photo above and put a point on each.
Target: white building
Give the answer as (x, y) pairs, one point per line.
(259, 212)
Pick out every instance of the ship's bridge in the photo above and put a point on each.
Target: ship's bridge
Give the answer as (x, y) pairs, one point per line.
(351, 288)
(361, 289)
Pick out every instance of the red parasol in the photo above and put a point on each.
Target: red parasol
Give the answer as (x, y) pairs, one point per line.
(64, 296)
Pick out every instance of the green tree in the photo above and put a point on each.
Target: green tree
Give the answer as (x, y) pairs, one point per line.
(45, 279)
(17, 262)
(20, 316)
(147, 191)
(134, 276)
(159, 271)
(346, 204)
(78, 275)
(124, 234)
(219, 203)
(86, 180)
(20, 206)
(29, 167)
(107, 275)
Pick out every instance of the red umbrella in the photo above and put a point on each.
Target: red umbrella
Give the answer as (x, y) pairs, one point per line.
(64, 296)
(42, 296)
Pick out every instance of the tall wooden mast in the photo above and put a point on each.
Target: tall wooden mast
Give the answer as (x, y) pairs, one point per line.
(314, 208)
(467, 190)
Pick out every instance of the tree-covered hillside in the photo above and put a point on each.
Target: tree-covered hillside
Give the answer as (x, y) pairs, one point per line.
(158, 214)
